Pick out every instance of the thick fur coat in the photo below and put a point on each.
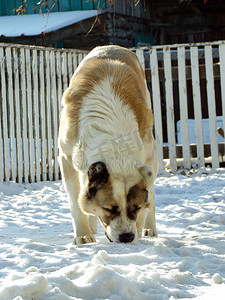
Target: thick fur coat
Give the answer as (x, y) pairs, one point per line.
(107, 150)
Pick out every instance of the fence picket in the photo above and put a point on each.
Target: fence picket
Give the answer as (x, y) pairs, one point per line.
(54, 113)
(211, 106)
(222, 79)
(170, 108)
(24, 114)
(70, 66)
(183, 107)
(4, 118)
(156, 98)
(197, 105)
(43, 115)
(2, 92)
(48, 116)
(11, 113)
(18, 117)
(64, 71)
(36, 114)
(59, 82)
(140, 55)
(30, 114)
(1, 152)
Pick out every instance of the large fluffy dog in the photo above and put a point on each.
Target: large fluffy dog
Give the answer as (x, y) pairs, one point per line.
(107, 150)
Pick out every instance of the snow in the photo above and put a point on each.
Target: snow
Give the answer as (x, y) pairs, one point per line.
(187, 260)
(35, 24)
(205, 127)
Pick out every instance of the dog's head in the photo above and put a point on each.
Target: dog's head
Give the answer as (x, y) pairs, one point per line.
(116, 199)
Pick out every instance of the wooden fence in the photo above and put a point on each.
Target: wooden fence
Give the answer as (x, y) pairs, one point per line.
(182, 81)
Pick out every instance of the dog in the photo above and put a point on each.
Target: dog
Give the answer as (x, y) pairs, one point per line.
(107, 150)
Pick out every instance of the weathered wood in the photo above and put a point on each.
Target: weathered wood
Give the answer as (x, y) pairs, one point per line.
(197, 105)
(11, 113)
(43, 115)
(157, 107)
(36, 114)
(2, 95)
(211, 106)
(19, 158)
(175, 75)
(170, 109)
(30, 114)
(222, 78)
(24, 113)
(54, 104)
(183, 106)
(48, 116)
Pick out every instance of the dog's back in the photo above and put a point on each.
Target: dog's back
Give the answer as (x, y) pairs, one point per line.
(106, 140)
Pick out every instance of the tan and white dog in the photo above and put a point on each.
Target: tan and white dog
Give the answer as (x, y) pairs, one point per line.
(107, 150)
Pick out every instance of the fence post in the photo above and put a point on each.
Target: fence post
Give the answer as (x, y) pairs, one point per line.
(170, 108)
(197, 105)
(222, 78)
(211, 106)
(183, 107)
(156, 98)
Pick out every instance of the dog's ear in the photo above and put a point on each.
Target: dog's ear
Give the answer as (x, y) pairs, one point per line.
(97, 177)
(146, 172)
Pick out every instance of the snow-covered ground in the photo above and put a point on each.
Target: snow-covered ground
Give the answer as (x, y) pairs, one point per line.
(187, 260)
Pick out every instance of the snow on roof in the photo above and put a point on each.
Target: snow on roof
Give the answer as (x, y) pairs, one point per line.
(37, 23)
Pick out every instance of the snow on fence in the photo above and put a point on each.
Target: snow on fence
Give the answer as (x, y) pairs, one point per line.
(185, 81)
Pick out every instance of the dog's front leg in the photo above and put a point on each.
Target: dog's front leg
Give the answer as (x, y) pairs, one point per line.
(82, 231)
(150, 223)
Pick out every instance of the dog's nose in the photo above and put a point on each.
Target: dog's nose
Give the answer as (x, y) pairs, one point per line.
(126, 237)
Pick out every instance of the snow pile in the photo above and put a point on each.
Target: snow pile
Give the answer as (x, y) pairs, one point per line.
(38, 260)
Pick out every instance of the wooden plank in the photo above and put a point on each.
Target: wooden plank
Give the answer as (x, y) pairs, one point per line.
(1, 150)
(64, 71)
(36, 114)
(211, 106)
(11, 113)
(59, 82)
(140, 55)
(24, 114)
(197, 105)
(175, 76)
(64, 5)
(42, 116)
(76, 5)
(18, 117)
(75, 63)
(87, 4)
(170, 108)
(30, 114)
(156, 98)
(48, 115)
(183, 107)
(4, 116)
(1, 127)
(54, 114)
(70, 66)
(222, 79)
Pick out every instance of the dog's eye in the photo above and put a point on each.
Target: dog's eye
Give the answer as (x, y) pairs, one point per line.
(113, 210)
(135, 209)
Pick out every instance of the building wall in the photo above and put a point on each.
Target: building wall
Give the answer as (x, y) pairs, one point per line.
(131, 7)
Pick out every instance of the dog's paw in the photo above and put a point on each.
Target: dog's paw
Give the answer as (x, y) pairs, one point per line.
(84, 239)
(149, 232)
